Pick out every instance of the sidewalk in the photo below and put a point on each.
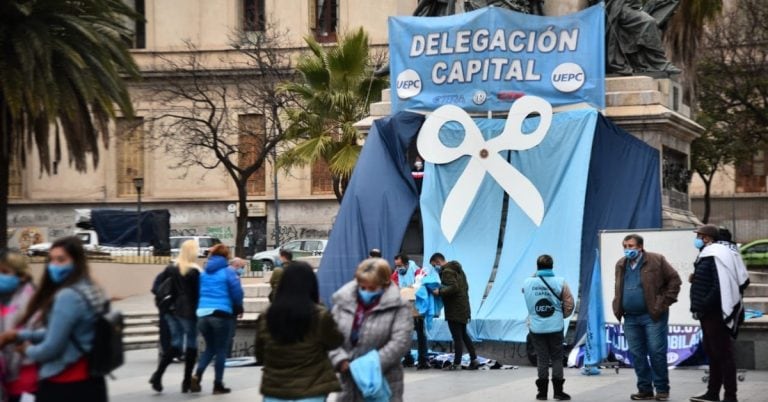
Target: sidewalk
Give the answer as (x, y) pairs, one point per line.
(429, 385)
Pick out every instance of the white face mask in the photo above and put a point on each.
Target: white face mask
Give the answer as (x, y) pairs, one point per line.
(418, 165)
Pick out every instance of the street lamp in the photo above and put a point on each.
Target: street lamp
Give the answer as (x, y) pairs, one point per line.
(138, 182)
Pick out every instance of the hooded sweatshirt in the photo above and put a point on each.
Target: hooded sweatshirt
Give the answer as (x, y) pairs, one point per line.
(220, 288)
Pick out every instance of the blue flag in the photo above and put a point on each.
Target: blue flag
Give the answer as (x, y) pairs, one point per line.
(595, 348)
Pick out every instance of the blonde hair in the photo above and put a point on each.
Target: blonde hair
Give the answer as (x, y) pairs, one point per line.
(187, 258)
(374, 270)
(18, 264)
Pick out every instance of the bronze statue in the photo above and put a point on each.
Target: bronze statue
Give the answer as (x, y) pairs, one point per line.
(522, 6)
(435, 8)
(633, 41)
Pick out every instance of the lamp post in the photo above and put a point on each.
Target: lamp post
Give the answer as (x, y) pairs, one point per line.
(138, 182)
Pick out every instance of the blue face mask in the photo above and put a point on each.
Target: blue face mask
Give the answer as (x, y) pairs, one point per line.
(436, 268)
(402, 271)
(8, 283)
(368, 297)
(631, 253)
(698, 243)
(240, 271)
(59, 273)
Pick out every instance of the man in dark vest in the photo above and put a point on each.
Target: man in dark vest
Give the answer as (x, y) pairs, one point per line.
(549, 302)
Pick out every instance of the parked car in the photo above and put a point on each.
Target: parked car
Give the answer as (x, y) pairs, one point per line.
(204, 242)
(299, 248)
(755, 253)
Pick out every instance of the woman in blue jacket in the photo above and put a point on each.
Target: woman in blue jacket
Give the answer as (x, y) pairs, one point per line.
(221, 300)
(68, 302)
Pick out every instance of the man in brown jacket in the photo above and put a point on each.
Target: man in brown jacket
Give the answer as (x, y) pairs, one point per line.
(646, 285)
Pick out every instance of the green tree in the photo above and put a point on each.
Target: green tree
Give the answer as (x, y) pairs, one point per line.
(732, 76)
(62, 64)
(336, 90)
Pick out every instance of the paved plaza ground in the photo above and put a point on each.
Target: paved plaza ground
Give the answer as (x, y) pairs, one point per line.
(423, 386)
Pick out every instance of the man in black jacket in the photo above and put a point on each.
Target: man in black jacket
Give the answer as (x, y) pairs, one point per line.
(707, 307)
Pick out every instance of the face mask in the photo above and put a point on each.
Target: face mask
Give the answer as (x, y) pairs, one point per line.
(402, 271)
(436, 268)
(368, 297)
(631, 253)
(8, 283)
(240, 271)
(59, 273)
(418, 165)
(698, 243)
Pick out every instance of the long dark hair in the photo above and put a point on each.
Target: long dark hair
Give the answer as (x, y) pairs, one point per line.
(42, 301)
(290, 316)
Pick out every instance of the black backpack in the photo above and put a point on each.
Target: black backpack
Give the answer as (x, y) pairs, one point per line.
(107, 352)
(165, 296)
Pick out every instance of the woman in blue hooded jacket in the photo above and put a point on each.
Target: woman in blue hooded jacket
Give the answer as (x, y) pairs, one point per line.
(221, 300)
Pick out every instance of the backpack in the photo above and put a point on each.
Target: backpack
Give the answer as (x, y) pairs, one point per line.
(107, 352)
(165, 297)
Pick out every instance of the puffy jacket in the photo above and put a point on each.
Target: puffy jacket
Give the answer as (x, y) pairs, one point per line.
(705, 287)
(388, 329)
(454, 290)
(220, 288)
(661, 284)
(302, 369)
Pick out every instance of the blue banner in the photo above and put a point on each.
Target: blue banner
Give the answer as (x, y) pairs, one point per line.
(485, 59)
(595, 346)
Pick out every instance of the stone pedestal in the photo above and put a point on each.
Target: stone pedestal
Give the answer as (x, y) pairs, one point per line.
(650, 109)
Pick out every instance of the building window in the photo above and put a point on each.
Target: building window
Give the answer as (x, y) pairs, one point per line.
(139, 28)
(322, 181)
(324, 19)
(251, 143)
(254, 19)
(130, 154)
(751, 175)
(15, 178)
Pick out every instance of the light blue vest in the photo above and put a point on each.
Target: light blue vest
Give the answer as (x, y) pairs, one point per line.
(544, 309)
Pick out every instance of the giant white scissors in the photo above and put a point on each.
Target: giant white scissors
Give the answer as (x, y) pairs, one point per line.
(485, 158)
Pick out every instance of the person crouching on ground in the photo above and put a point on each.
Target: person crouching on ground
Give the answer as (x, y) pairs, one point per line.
(372, 316)
(293, 341)
(221, 300)
(549, 302)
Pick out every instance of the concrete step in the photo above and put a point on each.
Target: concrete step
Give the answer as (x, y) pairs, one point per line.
(630, 84)
(144, 315)
(133, 322)
(756, 303)
(757, 277)
(140, 331)
(257, 290)
(140, 342)
(255, 304)
(652, 97)
(757, 290)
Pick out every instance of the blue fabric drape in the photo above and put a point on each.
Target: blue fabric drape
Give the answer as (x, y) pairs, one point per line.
(623, 192)
(378, 204)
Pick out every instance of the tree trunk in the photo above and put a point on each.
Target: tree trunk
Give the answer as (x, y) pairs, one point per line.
(242, 217)
(5, 166)
(337, 189)
(707, 198)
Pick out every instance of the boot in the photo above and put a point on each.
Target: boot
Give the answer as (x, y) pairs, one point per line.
(542, 385)
(194, 383)
(557, 385)
(157, 377)
(190, 358)
(218, 388)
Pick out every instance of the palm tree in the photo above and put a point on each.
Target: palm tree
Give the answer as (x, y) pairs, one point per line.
(62, 64)
(336, 89)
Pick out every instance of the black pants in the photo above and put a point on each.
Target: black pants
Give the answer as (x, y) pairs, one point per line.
(718, 345)
(165, 335)
(421, 342)
(460, 336)
(91, 390)
(549, 349)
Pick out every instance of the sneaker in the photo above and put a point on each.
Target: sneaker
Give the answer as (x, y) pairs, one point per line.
(662, 396)
(642, 396)
(452, 367)
(729, 400)
(707, 397)
(474, 365)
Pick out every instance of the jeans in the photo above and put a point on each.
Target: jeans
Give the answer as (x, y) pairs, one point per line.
(181, 328)
(421, 341)
(647, 340)
(217, 332)
(549, 347)
(460, 336)
(718, 346)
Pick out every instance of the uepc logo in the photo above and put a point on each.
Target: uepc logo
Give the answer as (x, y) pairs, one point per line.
(408, 84)
(544, 308)
(568, 77)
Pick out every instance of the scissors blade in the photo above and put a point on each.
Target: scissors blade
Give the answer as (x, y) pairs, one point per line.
(460, 198)
(519, 188)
